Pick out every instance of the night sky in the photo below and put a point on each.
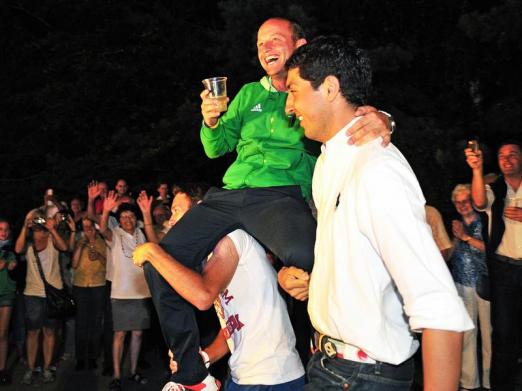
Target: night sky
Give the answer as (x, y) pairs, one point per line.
(110, 89)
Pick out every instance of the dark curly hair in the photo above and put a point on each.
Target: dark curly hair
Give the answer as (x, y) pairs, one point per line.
(334, 56)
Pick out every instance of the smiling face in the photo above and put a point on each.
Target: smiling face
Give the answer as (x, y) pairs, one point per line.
(275, 45)
(308, 104)
(462, 202)
(510, 160)
(88, 228)
(128, 221)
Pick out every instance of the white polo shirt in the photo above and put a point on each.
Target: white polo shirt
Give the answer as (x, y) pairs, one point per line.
(511, 243)
(377, 267)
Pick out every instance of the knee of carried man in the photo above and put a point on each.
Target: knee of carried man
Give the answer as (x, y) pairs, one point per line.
(299, 257)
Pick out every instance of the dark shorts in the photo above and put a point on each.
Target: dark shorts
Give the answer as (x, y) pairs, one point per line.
(6, 301)
(36, 313)
(130, 314)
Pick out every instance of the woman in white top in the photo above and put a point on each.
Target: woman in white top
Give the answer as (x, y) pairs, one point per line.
(129, 291)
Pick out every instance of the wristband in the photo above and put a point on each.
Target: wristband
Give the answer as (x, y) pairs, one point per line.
(393, 125)
(206, 359)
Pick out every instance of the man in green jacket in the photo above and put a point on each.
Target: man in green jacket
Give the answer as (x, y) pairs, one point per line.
(266, 189)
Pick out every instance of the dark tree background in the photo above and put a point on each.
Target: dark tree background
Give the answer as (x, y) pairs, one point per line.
(110, 88)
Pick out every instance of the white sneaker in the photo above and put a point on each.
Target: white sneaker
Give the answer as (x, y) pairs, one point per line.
(208, 384)
(27, 378)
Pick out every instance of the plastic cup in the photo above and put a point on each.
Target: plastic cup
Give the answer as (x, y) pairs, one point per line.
(218, 89)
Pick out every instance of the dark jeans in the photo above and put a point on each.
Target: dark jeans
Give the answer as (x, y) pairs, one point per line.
(89, 321)
(506, 319)
(278, 217)
(337, 374)
(293, 385)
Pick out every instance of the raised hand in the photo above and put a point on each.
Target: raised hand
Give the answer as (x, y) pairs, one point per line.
(111, 201)
(209, 108)
(474, 159)
(144, 202)
(93, 190)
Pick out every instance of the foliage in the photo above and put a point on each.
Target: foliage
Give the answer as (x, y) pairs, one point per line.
(109, 89)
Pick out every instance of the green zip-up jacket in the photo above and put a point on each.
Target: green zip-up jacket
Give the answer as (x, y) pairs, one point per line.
(270, 152)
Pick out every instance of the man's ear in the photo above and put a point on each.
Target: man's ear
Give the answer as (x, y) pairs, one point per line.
(300, 42)
(332, 87)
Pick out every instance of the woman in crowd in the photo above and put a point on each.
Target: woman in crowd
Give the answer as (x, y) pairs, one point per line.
(468, 262)
(130, 296)
(77, 212)
(7, 293)
(89, 261)
(40, 242)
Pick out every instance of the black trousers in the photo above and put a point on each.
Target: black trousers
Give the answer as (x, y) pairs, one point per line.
(89, 321)
(277, 217)
(506, 319)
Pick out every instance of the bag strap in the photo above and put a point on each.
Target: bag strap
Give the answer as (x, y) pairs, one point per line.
(39, 264)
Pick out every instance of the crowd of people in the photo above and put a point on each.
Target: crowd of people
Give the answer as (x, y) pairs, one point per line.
(373, 274)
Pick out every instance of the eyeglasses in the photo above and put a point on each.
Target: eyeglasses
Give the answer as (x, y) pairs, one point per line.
(464, 202)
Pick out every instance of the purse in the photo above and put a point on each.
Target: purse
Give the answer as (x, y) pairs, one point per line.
(60, 304)
(483, 287)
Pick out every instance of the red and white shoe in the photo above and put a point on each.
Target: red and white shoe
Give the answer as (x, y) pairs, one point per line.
(208, 384)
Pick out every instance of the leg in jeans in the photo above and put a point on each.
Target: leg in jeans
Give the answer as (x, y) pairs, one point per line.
(506, 306)
(338, 374)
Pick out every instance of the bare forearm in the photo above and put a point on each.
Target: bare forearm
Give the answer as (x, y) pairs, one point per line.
(150, 233)
(20, 241)
(478, 189)
(441, 356)
(77, 255)
(91, 211)
(58, 241)
(477, 243)
(188, 283)
(218, 348)
(104, 223)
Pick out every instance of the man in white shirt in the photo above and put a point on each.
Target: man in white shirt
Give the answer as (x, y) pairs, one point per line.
(239, 279)
(376, 267)
(503, 203)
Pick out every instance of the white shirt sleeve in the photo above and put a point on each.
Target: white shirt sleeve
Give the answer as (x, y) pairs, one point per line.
(399, 233)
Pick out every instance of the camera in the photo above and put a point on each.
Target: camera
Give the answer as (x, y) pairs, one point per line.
(39, 220)
(474, 145)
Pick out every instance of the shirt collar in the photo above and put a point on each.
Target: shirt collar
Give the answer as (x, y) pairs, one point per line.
(340, 138)
(266, 82)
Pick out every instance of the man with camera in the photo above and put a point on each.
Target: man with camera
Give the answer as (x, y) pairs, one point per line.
(503, 202)
(41, 243)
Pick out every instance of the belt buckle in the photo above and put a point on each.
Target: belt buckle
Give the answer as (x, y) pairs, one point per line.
(327, 346)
